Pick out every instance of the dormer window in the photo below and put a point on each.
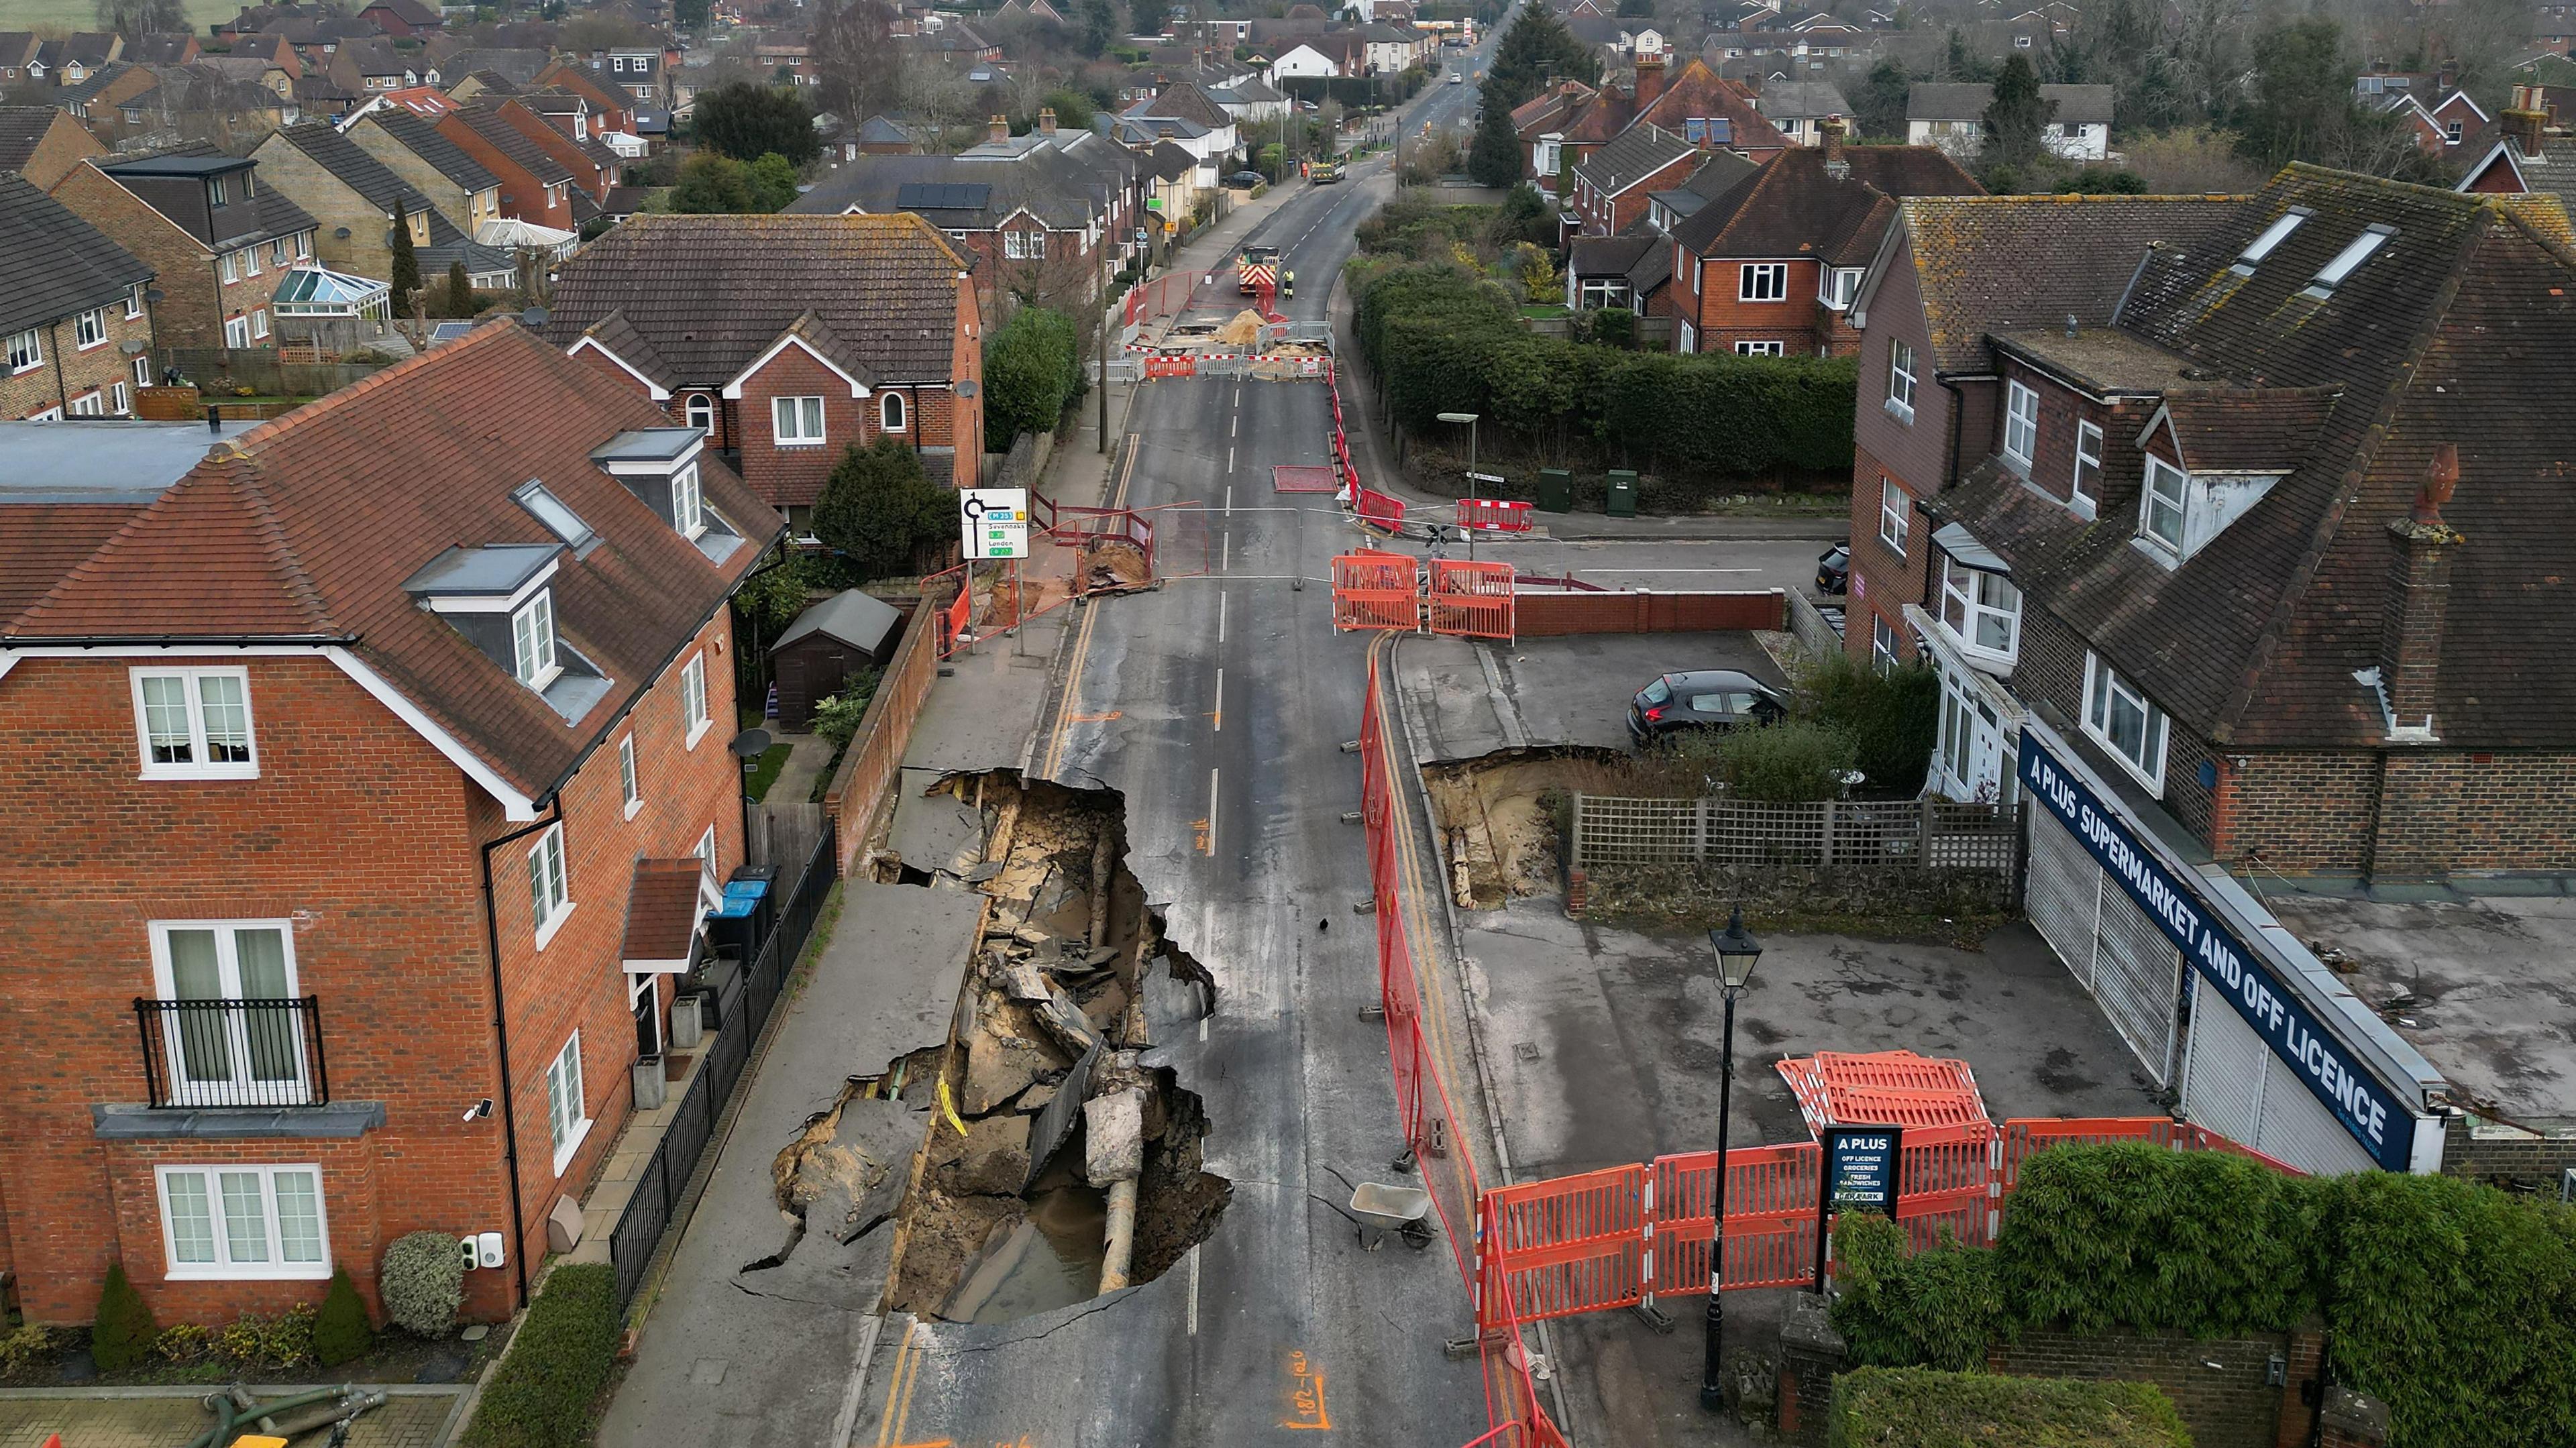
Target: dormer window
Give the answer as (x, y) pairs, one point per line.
(688, 507)
(2273, 235)
(2160, 507)
(2348, 260)
(532, 641)
(214, 191)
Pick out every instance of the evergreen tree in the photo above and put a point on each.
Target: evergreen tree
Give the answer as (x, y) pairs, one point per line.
(773, 182)
(879, 507)
(340, 1331)
(1495, 157)
(746, 121)
(122, 1333)
(1147, 17)
(1537, 49)
(406, 277)
(710, 183)
(1961, 64)
(2016, 118)
(1099, 27)
(460, 290)
(1878, 107)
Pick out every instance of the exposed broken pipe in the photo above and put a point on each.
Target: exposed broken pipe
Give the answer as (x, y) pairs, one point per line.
(1122, 1235)
(1100, 862)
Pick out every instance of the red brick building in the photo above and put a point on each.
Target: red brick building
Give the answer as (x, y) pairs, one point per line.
(1771, 267)
(366, 733)
(790, 338)
(1702, 107)
(2255, 500)
(535, 186)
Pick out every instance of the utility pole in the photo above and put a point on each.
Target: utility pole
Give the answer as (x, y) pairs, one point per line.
(1106, 302)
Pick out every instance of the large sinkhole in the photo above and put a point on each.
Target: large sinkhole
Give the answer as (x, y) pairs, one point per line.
(1051, 1152)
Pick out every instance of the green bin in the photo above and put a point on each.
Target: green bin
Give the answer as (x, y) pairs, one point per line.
(1555, 490)
(1621, 501)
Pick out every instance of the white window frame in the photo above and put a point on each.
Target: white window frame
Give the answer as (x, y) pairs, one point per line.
(88, 404)
(2149, 498)
(1761, 349)
(893, 414)
(1964, 593)
(1762, 281)
(706, 847)
(1882, 644)
(250, 261)
(693, 698)
(1689, 340)
(277, 252)
(143, 370)
(550, 900)
(1895, 515)
(2105, 690)
(630, 784)
(303, 245)
(2088, 468)
(197, 765)
(89, 329)
(258, 323)
(688, 502)
(25, 350)
(120, 398)
(237, 331)
(1837, 286)
(1024, 246)
(567, 1106)
(699, 411)
(2021, 425)
(789, 418)
(1900, 381)
(223, 1269)
(134, 301)
(534, 657)
(208, 1090)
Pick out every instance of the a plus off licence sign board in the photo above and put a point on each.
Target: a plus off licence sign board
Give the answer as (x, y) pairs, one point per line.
(1860, 1168)
(994, 522)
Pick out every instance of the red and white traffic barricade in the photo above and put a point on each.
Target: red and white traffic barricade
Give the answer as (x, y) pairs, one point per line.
(1494, 515)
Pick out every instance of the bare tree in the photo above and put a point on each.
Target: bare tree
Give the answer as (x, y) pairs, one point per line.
(857, 66)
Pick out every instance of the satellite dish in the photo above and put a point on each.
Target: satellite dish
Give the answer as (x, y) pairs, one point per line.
(968, 388)
(750, 744)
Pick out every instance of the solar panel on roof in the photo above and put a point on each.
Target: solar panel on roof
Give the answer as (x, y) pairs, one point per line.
(942, 196)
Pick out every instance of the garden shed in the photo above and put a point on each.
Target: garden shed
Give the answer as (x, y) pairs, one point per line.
(815, 655)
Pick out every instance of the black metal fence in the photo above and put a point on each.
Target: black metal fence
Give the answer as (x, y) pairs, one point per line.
(745, 1008)
(209, 1053)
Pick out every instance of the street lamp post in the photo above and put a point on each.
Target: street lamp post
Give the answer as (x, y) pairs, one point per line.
(1737, 951)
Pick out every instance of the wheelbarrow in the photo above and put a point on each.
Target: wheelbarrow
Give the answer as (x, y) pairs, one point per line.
(1380, 1209)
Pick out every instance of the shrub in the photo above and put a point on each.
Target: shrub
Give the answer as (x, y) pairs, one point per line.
(183, 1342)
(1921, 1408)
(1793, 760)
(1032, 369)
(124, 1329)
(340, 1330)
(28, 1348)
(542, 1394)
(422, 1281)
(837, 718)
(1897, 1309)
(1892, 719)
(283, 1341)
(879, 507)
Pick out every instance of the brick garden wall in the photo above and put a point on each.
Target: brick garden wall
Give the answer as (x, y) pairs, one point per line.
(1552, 615)
(2509, 1158)
(2225, 1406)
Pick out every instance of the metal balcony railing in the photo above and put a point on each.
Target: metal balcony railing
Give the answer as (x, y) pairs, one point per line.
(202, 1053)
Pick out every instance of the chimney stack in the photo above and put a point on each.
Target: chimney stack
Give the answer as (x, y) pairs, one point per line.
(2419, 595)
(1650, 79)
(2523, 128)
(999, 130)
(1831, 127)
(1046, 120)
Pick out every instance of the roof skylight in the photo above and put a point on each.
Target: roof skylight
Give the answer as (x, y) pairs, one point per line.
(2273, 235)
(558, 517)
(2332, 274)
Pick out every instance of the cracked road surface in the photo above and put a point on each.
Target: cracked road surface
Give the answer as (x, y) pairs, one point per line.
(1218, 706)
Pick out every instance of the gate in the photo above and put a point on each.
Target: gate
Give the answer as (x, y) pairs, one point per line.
(1374, 590)
(1472, 600)
(2119, 955)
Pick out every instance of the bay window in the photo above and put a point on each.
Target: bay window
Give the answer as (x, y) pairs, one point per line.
(1980, 609)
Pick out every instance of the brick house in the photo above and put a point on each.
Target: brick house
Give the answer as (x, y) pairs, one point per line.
(534, 185)
(355, 196)
(455, 184)
(43, 143)
(1771, 267)
(612, 107)
(75, 327)
(559, 123)
(2255, 499)
(1698, 105)
(1612, 185)
(374, 721)
(1046, 216)
(2530, 154)
(790, 339)
(219, 240)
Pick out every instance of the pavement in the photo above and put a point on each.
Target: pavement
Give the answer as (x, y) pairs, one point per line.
(807, 755)
(412, 1417)
(735, 1356)
(1470, 697)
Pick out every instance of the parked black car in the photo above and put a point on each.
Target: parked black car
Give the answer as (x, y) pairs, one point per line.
(1245, 180)
(1702, 699)
(1833, 569)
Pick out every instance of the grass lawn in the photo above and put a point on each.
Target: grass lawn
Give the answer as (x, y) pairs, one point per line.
(83, 15)
(764, 773)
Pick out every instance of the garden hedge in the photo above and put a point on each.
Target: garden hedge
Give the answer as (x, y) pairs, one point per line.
(1443, 339)
(548, 1384)
(2451, 1302)
(1922, 1408)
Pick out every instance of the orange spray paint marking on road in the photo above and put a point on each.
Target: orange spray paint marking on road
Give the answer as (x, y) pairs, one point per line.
(1305, 1396)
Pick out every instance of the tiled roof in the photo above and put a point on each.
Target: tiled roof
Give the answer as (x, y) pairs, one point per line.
(1609, 256)
(1640, 153)
(1188, 103)
(1039, 180)
(483, 116)
(444, 156)
(711, 293)
(1987, 263)
(52, 263)
(1697, 91)
(346, 159)
(2437, 338)
(1797, 207)
(1803, 99)
(308, 526)
(21, 129)
(662, 908)
(43, 541)
(1967, 101)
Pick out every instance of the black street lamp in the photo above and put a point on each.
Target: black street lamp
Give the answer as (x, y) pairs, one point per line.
(1737, 951)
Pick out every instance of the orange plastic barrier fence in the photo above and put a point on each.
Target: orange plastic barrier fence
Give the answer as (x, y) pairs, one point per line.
(1573, 1244)
(1770, 1218)
(1378, 508)
(1494, 515)
(1472, 600)
(1171, 367)
(1374, 590)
